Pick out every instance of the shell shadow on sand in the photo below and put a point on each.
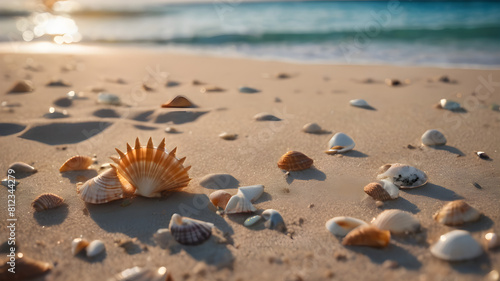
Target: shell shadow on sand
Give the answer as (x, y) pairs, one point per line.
(448, 148)
(434, 191)
(52, 216)
(143, 116)
(145, 128)
(7, 129)
(309, 174)
(179, 117)
(64, 133)
(219, 181)
(106, 113)
(391, 252)
(355, 154)
(75, 176)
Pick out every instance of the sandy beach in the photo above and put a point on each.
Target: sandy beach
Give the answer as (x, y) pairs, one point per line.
(306, 199)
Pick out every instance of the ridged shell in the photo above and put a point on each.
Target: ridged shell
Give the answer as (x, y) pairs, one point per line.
(340, 226)
(456, 245)
(456, 213)
(396, 221)
(340, 143)
(252, 192)
(103, 188)
(220, 198)
(143, 274)
(239, 204)
(448, 104)
(188, 231)
(367, 235)
(47, 201)
(26, 268)
(178, 102)
(78, 245)
(21, 167)
(491, 240)
(382, 190)
(76, 163)
(95, 248)
(152, 172)
(312, 128)
(263, 116)
(404, 176)
(274, 220)
(294, 161)
(22, 86)
(433, 137)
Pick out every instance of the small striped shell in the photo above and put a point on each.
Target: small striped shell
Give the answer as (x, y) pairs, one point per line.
(143, 274)
(382, 190)
(239, 204)
(396, 221)
(103, 188)
(402, 175)
(189, 231)
(76, 163)
(456, 245)
(294, 161)
(368, 235)
(151, 171)
(47, 201)
(456, 213)
(220, 198)
(341, 226)
(178, 102)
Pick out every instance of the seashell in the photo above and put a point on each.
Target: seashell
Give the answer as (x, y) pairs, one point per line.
(274, 220)
(150, 171)
(456, 245)
(101, 189)
(239, 204)
(197, 82)
(340, 143)
(382, 190)
(359, 103)
(22, 86)
(143, 274)
(10, 183)
(189, 231)
(76, 163)
(456, 213)
(95, 248)
(58, 83)
(178, 102)
(449, 104)
(25, 268)
(252, 192)
(482, 155)
(294, 161)
(433, 137)
(78, 244)
(220, 198)
(21, 167)
(172, 84)
(396, 221)
(340, 226)
(392, 82)
(171, 130)
(47, 201)
(404, 176)
(491, 240)
(265, 117)
(252, 220)
(248, 90)
(312, 128)
(367, 235)
(54, 114)
(228, 136)
(108, 98)
(208, 89)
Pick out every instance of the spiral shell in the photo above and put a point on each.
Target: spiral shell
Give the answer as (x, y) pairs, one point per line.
(340, 143)
(396, 221)
(189, 231)
(76, 163)
(456, 245)
(294, 161)
(404, 176)
(220, 198)
(433, 137)
(341, 226)
(382, 190)
(367, 235)
(47, 201)
(103, 188)
(179, 102)
(456, 213)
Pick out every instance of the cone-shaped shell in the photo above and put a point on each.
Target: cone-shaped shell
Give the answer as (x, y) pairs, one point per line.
(76, 163)
(239, 204)
(294, 161)
(220, 198)
(340, 226)
(340, 143)
(189, 231)
(143, 274)
(456, 213)
(396, 221)
(47, 201)
(95, 248)
(382, 190)
(433, 137)
(252, 192)
(456, 245)
(103, 188)
(78, 245)
(26, 268)
(179, 102)
(151, 171)
(367, 235)
(404, 176)
(22, 86)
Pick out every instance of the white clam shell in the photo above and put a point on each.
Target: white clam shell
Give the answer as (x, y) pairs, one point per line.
(252, 192)
(397, 222)
(402, 175)
(433, 137)
(274, 220)
(456, 245)
(142, 274)
(449, 104)
(359, 103)
(108, 98)
(340, 226)
(239, 204)
(312, 128)
(341, 140)
(252, 220)
(95, 248)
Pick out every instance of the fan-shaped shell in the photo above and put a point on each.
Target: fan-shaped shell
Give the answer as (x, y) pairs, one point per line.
(456, 245)
(404, 176)
(396, 221)
(78, 245)
(367, 235)
(220, 198)
(143, 274)
(252, 192)
(456, 213)
(103, 188)
(47, 201)
(76, 163)
(274, 220)
(239, 204)
(294, 161)
(433, 137)
(382, 190)
(340, 226)
(189, 231)
(22, 86)
(151, 171)
(179, 102)
(340, 143)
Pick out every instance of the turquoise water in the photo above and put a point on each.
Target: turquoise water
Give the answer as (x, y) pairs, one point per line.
(422, 33)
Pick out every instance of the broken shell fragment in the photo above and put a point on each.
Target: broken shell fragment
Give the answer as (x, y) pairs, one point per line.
(76, 163)
(178, 102)
(252, 192)
(340, 226)
(220, 198)
(404, 176)
(25, 268)
(21, 167)
(491, 240)
(456, 213)
(239, 204)
(143, 274)
(367, 235)
(265, 117)
(47, 201)
(103, 188)
(449, 104)
(252, 220)
(397, 222)
(78, 244)
(228, 136)
(108, 98)
(189, 231)
(456, 245)
(294, 161)
(312, 128)
(340, 143)
(248, 90)
(382, 190)
(274, 220)
(433, 137)
(95, 248)
(22, 86)
(359, 103)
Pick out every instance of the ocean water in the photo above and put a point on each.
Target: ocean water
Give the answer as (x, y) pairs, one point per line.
(452, 34)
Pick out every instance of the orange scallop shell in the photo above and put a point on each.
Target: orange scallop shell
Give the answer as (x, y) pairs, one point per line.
(178, 101)
(76, 163)
(47, 201)
(294, 161)
(367, 235)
